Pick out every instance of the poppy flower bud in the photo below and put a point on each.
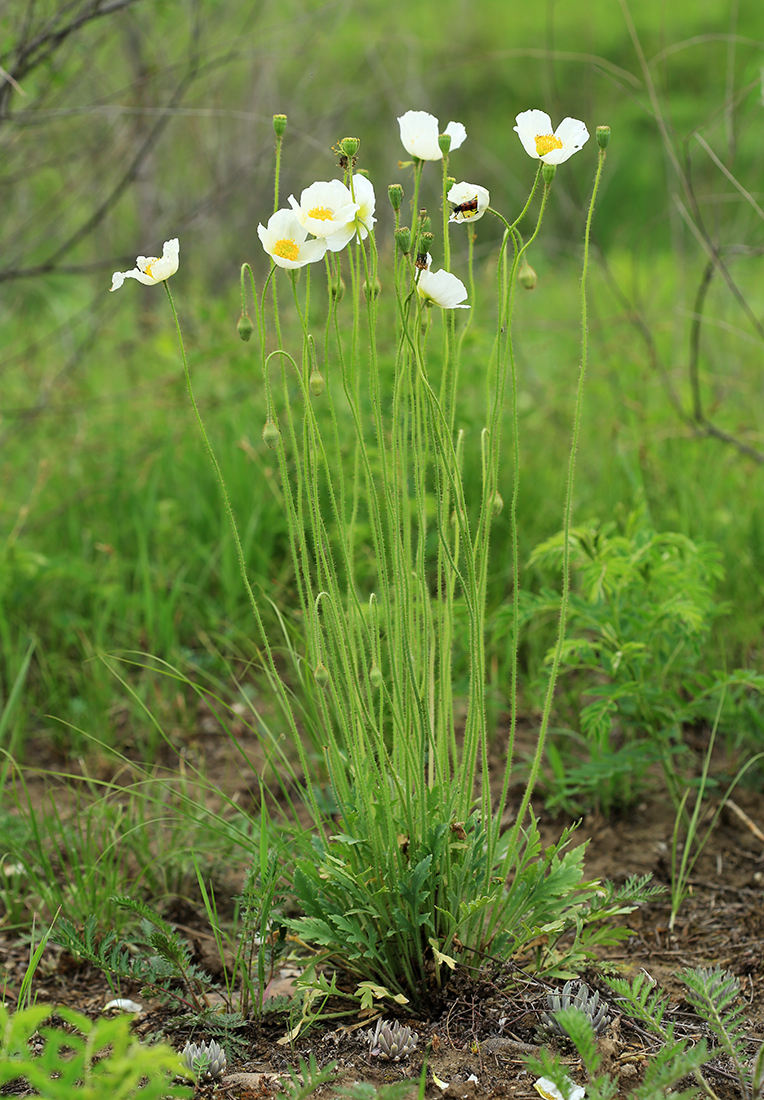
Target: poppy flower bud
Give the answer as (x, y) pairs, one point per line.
(395, 194)
(603, 136)
(245, 328)
(375, 675)
(271, 434)
(321, 675)
(349, 146)
(426, 241)
(403, 239)
(374, 290)
(497, 504)
(338, 289)
(279, 125)
(444, 143)
(316, 382)
(548, 171)
(527, 277)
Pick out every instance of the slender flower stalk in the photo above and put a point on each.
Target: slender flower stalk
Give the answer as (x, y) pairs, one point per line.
(567, 517)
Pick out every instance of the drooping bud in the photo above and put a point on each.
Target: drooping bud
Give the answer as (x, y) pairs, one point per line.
(338, 289)
(603, 136)
(279, 125)
(403, 239)
(245, 328)
(349, 146)
(497, 504)
(321, 675)
(316, 382)
(271, 434)
(444, 143)
(548, 171)
(374, 290)
(375, 675)
(526, 276)
(395, 194)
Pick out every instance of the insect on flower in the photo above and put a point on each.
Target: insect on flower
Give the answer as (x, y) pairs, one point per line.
(466, 209)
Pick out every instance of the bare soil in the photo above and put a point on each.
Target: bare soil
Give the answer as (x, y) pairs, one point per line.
(477, 1037)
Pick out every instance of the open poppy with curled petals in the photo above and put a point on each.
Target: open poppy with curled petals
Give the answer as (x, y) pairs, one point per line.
(151, 269)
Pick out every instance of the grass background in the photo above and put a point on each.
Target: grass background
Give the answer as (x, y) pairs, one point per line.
(113, 538)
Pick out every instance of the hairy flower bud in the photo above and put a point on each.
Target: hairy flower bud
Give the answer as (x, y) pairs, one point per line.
(403, 239)
(338, 289)
(526, 276)
(395, 194)
(271, 434)
(603, 136)
(245, 328)
(374, 290)
(444, 143)
(279, 125)
(349, 146)
(316, 382)
(375, 675)
(321, 675)
(548, 171)
(497, 504)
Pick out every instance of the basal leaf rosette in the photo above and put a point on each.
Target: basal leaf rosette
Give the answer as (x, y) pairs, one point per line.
(285, 241)
(534, 128)
(470, 201)
(151, 269)
(419, 134)
(326, 209)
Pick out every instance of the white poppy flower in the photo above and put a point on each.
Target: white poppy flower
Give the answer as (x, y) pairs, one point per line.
(546, 1088)
(470, 202)
(534, 128)
(363, 192)
(326, 209)
(441, 288)
(284, 239)
(150, 269)
(419, 134)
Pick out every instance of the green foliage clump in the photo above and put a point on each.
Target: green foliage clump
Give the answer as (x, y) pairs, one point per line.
(89, 1060)
(640, 616)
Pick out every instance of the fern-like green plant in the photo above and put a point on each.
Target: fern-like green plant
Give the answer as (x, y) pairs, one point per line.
(162, 967)
(714, 996)
(90, 1060)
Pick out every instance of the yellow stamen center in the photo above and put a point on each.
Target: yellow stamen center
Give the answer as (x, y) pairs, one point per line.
(286, 249)
(147, 269)
(322, 213)
(545, 143)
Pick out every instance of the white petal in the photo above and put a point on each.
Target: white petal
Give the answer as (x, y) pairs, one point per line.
(442, 288)
(117, 280)
(124, 1005)
(529, 124)
(457, 133)
(573, 135)
(546, 1088)
(419, 134)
